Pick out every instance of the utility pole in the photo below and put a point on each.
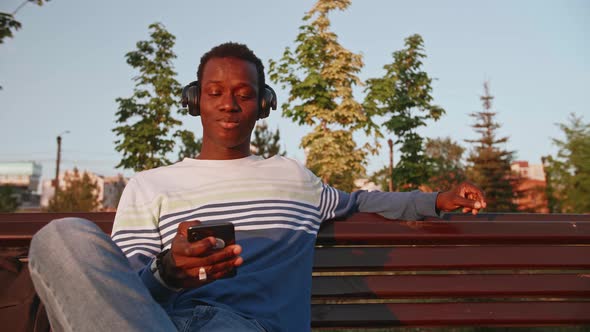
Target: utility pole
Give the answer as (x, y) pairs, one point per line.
(390, 143)
(57, 162)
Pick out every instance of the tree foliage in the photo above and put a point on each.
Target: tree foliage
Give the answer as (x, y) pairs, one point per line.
(568, 173)
(489, 163)
(320, 74)
(8, 201)
(79, 194)
(447, 167)
(403, 97)
(266, 143)
(145, 134)
(190, 145)
(9, 25)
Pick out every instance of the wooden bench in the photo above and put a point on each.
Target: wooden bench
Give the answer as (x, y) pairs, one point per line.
(485, 270)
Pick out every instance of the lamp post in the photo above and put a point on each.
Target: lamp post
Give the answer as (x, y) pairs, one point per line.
(390, 182)
(57, 162)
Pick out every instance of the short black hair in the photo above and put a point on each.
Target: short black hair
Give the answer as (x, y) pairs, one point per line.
(234, 50)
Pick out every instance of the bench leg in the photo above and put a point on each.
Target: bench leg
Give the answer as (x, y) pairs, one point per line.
(87, 284)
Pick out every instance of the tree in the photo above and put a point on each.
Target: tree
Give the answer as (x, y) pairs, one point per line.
(447, 168)
(489, 164)
(568, 173)
(265, 143)
(8, 24)
(80, 194)
(320, 74)
(8, 201)
(145, 119)
(403, 96)
(190, 147)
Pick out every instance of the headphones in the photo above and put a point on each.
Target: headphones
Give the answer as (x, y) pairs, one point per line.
(191, 96)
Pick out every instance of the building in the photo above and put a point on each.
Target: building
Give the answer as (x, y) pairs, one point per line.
(23, 178)
(110, 189)
(529, 187)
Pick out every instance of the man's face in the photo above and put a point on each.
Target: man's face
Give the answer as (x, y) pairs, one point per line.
(229, 104)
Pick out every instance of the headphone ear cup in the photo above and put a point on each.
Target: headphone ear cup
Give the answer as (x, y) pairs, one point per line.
(191, 95)
(267, 102)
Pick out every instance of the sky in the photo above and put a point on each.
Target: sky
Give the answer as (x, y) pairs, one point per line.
(65, 67)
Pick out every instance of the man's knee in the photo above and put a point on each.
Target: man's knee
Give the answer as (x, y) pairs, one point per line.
(57, 236)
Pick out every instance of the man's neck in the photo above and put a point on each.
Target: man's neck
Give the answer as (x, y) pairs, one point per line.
(223, 153)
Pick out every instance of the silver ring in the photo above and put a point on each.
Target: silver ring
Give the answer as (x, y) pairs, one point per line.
(202, 274)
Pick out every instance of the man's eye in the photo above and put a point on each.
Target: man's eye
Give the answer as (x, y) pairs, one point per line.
(214, 93)
(245, 96)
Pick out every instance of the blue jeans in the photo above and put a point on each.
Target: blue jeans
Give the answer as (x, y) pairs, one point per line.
(87, 284)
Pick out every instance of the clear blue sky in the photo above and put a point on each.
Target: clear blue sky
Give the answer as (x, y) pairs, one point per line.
(64, 69)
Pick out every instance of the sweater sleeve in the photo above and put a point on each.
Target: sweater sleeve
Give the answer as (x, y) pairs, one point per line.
(135, 231)
(413, 205)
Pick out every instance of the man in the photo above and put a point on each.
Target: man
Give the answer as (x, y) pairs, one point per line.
(275, 204)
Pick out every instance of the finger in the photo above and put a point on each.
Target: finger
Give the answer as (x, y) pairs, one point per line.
(213, 257)
(199, 248)
(465, 210)
(466, 202)
(474, 211)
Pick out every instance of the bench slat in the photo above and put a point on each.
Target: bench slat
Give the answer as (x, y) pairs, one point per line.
(451, 257)
(449, 314)
(472, 285)
(373, 229)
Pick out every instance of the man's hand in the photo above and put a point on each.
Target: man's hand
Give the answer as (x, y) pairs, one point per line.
(466, 195)
(184, 262)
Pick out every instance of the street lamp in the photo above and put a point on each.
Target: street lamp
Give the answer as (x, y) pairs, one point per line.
(58, 161)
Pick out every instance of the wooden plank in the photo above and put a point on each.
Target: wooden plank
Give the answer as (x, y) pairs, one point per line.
(451, 257)
(17, 229)
(368, 228)
(451, 314)
(373, 229)
(445, 286)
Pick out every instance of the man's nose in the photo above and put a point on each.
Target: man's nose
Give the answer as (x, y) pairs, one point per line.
(229, 103)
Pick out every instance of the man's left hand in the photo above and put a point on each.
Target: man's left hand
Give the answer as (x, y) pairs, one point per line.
(466, 195)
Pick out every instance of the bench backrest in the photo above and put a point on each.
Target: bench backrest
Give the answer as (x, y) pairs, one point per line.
(485, 270)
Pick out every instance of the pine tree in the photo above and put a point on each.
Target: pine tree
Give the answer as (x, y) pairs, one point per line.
(403, 95)
(266, 143)
(80, 194)
(568, 173)
(489, 164)
(320, 74)
(146, 121)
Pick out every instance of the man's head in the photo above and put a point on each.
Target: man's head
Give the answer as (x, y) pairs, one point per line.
(233, 50)
(230, 88)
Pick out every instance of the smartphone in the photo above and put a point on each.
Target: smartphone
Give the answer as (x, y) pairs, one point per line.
(222, 231)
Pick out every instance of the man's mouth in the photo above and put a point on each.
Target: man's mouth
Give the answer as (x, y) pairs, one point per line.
(227, 124)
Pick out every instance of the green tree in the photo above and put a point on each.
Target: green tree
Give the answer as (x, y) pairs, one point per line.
(146, 123)
(488, 163)
(8, 201)
(403, 97)
(266, 143)
(447, 168)
(568, 173)
(320, 74)
(80, 194)
(9, 25)
(190, 146)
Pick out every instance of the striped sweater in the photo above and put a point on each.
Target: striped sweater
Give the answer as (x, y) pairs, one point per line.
(276, 206)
